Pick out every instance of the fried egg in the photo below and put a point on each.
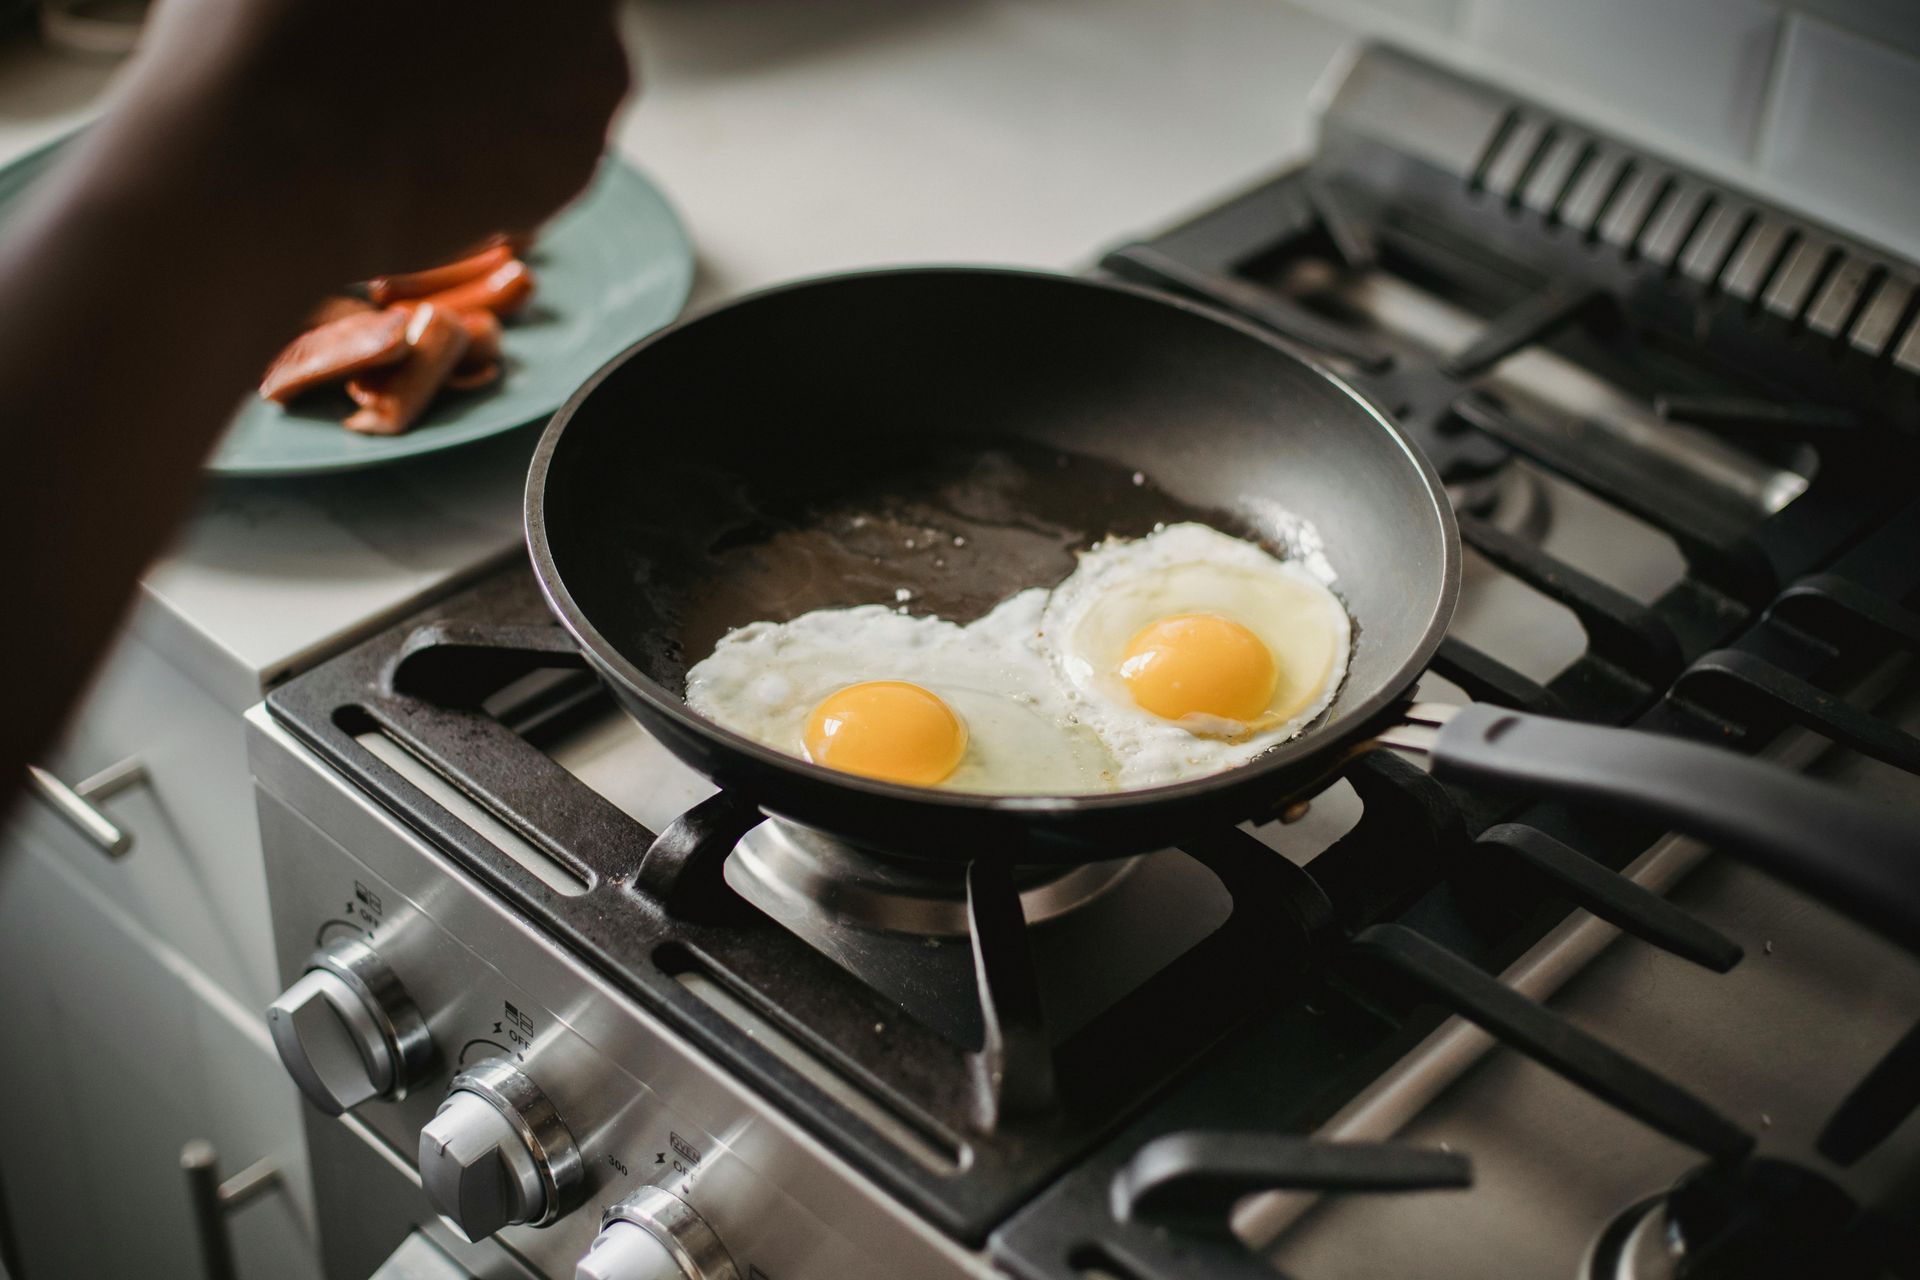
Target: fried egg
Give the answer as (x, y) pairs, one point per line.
(917, 700)
(1188, 652)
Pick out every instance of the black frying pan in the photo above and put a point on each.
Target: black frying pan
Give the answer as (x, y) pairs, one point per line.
(961, 433)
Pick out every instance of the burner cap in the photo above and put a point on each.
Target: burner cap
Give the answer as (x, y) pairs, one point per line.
(792, 872)
(1760, 1220)
(1513, 500)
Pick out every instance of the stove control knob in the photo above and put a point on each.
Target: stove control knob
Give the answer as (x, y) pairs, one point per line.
(655, 1235)
(347, 1031)
(497, 1154)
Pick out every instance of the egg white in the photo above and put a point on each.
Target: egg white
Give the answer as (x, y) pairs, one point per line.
(1123, 585)
(764, 680)
(1036, 680)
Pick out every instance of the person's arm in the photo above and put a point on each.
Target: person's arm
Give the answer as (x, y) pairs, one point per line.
(257, 156)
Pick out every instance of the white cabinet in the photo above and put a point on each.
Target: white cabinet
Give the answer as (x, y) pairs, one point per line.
(118, 1050)
(193, 876)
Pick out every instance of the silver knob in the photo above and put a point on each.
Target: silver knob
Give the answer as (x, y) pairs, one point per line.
(623, 1251)
(496, 1154)
(347, 1031)
(655, 1235)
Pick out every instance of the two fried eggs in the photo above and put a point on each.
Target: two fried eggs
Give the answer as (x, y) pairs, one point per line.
(1173, 656)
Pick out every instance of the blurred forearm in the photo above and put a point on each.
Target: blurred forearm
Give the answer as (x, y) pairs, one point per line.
(140, 295)
(259, 155)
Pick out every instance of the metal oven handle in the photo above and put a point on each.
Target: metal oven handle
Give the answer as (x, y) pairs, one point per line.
(213, 1200)
(75, 804)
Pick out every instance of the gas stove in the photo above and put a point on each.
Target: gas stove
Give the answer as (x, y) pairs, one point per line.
(575, 1008)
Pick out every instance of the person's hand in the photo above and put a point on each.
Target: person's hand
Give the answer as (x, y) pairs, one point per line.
(259, 154)
(391, 132)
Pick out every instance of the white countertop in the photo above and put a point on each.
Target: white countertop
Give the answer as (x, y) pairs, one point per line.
(794, 139)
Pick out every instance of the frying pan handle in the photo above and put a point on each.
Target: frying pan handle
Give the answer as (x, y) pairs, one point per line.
(1861, 859)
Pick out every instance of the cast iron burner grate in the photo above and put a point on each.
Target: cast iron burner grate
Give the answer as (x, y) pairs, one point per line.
(1714, 311)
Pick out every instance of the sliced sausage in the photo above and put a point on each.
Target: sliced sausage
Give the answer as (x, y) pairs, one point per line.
(331, 309)
(420, 284)
(472, 377)
(390, 402)
(338, 349)
(483, 339)
(502, 291)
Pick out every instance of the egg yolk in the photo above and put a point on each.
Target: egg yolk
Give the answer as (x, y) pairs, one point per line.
(887, 729)
(1199, 664)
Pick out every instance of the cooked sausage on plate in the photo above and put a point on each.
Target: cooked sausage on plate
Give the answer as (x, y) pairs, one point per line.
(411, 335)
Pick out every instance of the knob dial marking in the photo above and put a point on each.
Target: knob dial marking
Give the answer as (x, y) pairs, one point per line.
(677, 1244)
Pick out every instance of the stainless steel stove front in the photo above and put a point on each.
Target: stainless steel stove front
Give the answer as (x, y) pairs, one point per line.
(642, 1108)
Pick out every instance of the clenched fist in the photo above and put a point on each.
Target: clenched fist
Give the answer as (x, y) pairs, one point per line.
(404, 129)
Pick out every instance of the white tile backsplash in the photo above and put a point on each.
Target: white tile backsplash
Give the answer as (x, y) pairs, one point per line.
(1436, 15)
(1697, 68)
(1840, 129)
(1810, 103)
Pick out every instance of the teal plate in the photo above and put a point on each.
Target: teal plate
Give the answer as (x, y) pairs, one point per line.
(611, 268)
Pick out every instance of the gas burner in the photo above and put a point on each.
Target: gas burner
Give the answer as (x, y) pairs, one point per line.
(1759, 1219)
(793, 872)
(1512, 500)
(900, 926)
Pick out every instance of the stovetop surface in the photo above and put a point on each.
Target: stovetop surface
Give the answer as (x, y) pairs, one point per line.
(1727, 581)
(1775, 1042)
